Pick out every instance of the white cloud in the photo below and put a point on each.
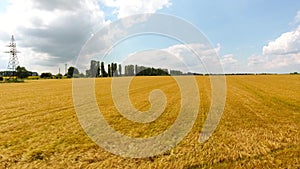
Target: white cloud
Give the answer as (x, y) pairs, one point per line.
(280, 55)
(257, 64)
(287, 43)
(290, 60)
(202, 50)
(155, 58)
(228, 60)
(49, 33)
(230, 64)
(257, 61)
(125, 8)
(274, 63)
(296, 19)
(195, 57)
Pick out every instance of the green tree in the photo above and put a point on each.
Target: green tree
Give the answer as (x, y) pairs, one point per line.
(144, 71)
(120, 69)
(88, 73)
(109, 70)
(81, 75)
(103, 72)
(72, 72)
(113, 68)
(136, 69)
(46, 75)
(21, 72)
(59, 76)
(98, 71)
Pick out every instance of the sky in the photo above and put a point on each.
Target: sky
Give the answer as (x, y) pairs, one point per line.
(247, 35)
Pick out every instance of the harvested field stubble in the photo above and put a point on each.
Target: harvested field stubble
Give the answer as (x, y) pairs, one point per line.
(259, 127)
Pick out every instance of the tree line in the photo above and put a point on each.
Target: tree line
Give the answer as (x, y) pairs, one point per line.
(97, 69)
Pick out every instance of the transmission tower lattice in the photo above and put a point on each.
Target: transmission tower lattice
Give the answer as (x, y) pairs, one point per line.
(13, 62)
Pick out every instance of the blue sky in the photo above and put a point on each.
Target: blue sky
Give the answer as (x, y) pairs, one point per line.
(241, 27)
(248, 35)
(3, 5)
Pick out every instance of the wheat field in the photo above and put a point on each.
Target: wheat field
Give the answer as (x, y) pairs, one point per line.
(259, 127)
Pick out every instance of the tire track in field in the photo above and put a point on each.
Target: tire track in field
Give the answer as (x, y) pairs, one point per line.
(275, 100)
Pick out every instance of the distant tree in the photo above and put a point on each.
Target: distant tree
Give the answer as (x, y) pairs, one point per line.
(102, 69)
(113, 68)
(46, 75)
(58, 76)
(165, 70)
(136, 69)
(72, 72)
(88, 73)
(1, 78)
(129, 70)
(21, 72)
(109, 70)
(81, 75)
(176, 72)
(126, 70)
(116, 69)
(98, 71)
(152, 72)
(120, 69)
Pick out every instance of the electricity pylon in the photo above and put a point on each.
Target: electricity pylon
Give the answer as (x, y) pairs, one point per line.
(13, 62)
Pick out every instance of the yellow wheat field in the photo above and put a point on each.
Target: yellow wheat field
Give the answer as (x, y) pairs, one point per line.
(259, 127)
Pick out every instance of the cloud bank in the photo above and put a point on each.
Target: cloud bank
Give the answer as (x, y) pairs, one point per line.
(279, 55)
(127, 8)
(52, 33)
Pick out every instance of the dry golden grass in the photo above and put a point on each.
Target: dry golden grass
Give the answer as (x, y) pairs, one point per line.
(259, 127)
